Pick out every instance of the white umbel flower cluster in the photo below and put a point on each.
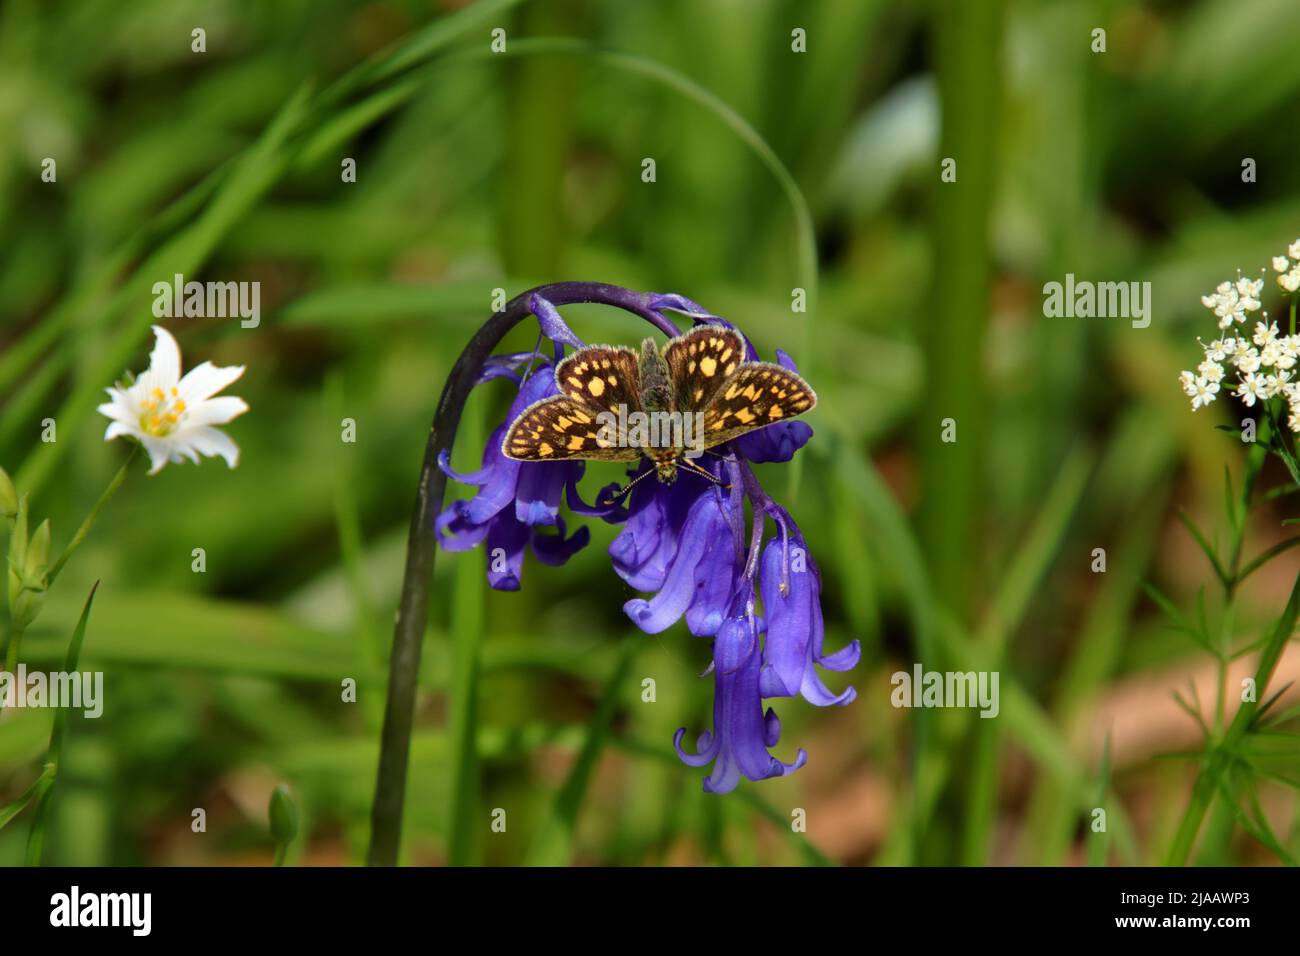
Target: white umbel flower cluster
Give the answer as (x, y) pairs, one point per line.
(1287, 268)
(1234, 301)
(1254, 367)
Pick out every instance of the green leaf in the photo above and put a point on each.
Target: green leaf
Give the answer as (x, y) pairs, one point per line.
(1205, 547)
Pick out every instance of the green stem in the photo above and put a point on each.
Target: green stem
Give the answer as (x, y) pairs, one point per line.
(16, 633)
(89, 523)
(11, 651)
(1207, 781)
(413, 606)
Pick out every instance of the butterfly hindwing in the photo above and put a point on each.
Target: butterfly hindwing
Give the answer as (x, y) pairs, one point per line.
(601, 376)
(700, 361)
(559, 428)
(758, 394)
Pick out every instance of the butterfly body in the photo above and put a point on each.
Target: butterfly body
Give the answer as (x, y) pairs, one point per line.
(656, 393)
(669, 405)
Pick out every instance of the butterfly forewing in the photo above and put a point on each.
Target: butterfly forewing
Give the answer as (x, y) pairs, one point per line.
(601, 376)
(701, 361)
(758, 394)
(559, 427)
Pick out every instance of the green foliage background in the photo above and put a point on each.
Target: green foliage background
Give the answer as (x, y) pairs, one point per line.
(478, 171)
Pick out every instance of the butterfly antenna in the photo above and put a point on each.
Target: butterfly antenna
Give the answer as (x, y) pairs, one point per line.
(628, 487)
(688, 464)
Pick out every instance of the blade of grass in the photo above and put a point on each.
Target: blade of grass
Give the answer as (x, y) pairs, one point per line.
(554, 843)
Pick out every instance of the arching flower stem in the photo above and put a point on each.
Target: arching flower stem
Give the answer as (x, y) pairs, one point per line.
(413, 606)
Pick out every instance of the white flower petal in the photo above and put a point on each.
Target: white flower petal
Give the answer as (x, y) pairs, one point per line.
(215, 411)
(118, 429)
(164, 360)
(117, 412)
(204, 381)
(158, 449)
(209, 441)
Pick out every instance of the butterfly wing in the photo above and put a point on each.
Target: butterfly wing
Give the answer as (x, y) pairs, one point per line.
(758, 394)
(559, 428)
(601, 376)
(700, 361)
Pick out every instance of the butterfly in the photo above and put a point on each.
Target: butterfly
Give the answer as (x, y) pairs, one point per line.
(668, 405)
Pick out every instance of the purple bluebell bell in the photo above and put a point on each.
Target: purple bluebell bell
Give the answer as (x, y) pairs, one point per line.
(742, 733)
(791, 589)
(693, 565)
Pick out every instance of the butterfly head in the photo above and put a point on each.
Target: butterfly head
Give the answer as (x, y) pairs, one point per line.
(665, 462)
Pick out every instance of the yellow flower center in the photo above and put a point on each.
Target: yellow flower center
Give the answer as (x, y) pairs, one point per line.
(161, 412)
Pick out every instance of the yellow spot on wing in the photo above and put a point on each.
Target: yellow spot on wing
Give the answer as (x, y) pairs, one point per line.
(575, 443)
(708, 365)
(544, 449)
(745, 416)
(596, 387)
(775, 412)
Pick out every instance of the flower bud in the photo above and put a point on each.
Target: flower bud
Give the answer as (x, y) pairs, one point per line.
(8, 496)
(38, 553)
(18, 538)
(25, 606)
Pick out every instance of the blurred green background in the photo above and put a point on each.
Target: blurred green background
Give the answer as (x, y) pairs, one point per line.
(477, 171)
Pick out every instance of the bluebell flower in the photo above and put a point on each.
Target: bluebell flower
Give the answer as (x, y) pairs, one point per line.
(742, 733)
(791, 590)
(686, 545)
(693, 564)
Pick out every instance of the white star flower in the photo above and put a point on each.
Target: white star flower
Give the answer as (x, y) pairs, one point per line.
(1281, 263)
(1246, 359)
(174, 418)
(1252, 387)
(1219, 349)
(1210, 371)
(1276, 384)
(1203, 392)
(1294, 250)
(1187, 380)
(1265, 333)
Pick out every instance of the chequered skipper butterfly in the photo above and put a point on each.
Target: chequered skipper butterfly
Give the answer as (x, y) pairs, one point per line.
(702, 374)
